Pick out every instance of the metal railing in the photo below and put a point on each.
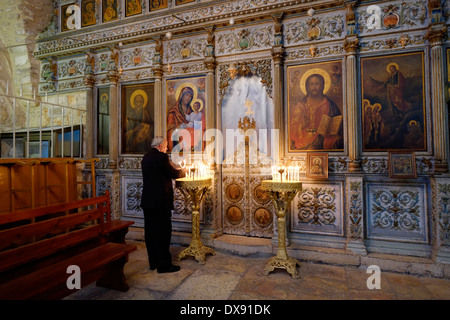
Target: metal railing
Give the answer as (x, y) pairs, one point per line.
(50, 131)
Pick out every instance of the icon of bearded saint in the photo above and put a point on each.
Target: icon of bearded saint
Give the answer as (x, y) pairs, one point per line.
(138, 124)
(309, 115)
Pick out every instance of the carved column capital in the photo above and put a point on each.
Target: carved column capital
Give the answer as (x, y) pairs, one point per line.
(278, 54)
(436, 35)
(113, 77)
(351, 45)
(210, 63)
(89, 81)
(158, 71)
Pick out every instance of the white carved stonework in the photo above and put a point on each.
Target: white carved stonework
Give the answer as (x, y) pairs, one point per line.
(185, 49)
(70, 68)
(152, 23)
(318, 27)
(137, 74)
(71, 84)
(397, 212)
(327, 50)
(137, 57)
(318, 209)
(394, 41)
(394, 17)
(242, 40)
(187, 68)
(131, 197)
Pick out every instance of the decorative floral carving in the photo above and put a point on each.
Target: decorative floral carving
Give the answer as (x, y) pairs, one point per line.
(247, 39)
(396, 209)
(133, 198)
(355, 208)
(397, 212)
(314, 29)
(399, 15)
(317, 206)
(443, 213)
(261, 68)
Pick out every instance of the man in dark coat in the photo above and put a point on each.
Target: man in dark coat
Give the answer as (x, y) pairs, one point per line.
(157, 203)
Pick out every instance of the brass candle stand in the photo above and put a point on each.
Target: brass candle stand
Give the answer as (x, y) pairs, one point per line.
(282, 194)
(193, 191)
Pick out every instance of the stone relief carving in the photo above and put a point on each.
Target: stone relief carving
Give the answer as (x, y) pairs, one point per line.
(185, 49)
(316, 28)
(132, 200)
(71, 68)
(395, 16)
(319, 51)
(316, 206)
(246, 39)
(355, 208)
(261, 68)
(397, 212)
(139, 57)
(318, 209)
(443, 212)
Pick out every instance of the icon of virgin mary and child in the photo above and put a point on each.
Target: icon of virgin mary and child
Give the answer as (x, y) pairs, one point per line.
(187, 114)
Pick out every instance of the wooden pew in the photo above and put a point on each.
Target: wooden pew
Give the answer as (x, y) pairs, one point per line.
(32, 183)
(38, 245)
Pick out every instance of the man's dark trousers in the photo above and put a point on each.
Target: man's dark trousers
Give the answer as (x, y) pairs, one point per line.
(158, 232)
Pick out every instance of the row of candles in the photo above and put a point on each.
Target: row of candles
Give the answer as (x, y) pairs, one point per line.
(196, 171)
(282, 173)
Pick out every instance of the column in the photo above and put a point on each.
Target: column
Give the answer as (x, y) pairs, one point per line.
(114, 125)
(350, 47)
(436, 36)
(89, 81)
(214, 226)
(210, 63)
(158, 72)
(159, 115)
(278, 59)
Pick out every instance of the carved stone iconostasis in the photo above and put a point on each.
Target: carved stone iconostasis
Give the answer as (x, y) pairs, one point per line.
(324, 80)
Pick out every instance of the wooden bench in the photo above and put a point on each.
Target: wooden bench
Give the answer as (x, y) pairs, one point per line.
(38, 245)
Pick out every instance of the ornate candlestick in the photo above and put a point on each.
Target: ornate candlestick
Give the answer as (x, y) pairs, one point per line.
(282, 193)
(194, 190)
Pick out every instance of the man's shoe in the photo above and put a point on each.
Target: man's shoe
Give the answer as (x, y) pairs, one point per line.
(170, 269)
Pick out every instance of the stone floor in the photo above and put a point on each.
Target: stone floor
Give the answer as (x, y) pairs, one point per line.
(228, 276)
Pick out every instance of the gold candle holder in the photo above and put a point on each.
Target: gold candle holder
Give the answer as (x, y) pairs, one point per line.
(282, 194)
(193, 192)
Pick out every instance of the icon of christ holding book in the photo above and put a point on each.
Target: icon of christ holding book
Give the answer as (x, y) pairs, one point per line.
(316, 121)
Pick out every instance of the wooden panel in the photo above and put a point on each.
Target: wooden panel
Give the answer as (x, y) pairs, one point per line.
(5, 189)
(21, 186)
(30, 183)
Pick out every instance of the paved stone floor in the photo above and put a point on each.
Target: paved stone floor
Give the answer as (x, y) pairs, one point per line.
(232, 277)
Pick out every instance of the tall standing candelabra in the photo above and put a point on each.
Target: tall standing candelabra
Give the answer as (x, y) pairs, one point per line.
(193, 191)
(282, 194)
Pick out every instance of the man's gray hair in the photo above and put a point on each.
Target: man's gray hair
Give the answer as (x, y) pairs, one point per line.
(157, 141)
